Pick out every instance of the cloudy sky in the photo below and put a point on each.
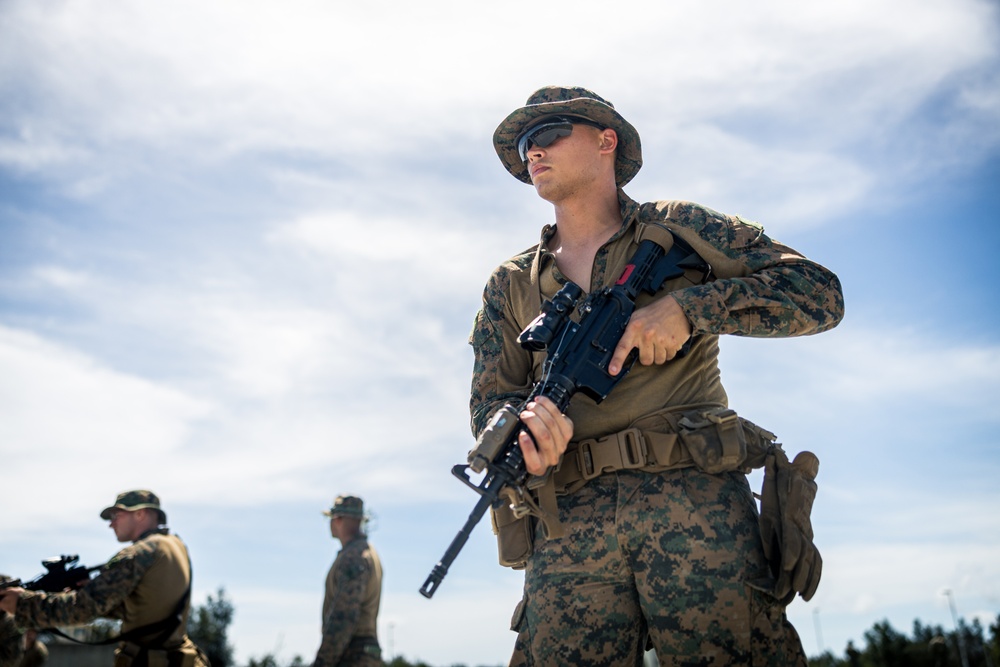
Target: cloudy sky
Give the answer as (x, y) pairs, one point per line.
(242, 243)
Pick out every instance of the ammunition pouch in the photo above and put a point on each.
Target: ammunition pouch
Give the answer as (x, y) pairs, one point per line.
(515, 536)
(714, 440)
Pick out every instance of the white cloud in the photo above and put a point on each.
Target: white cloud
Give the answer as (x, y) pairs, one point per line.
(441, 258)
(864, 366)
(370, 81)
(124, 411)
(865, 577)
(793, 187)
(62, 278)
(62, 413)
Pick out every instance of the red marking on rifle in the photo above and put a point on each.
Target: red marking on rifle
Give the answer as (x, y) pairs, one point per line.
(625, 274)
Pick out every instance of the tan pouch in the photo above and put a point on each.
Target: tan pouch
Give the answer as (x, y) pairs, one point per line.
(157, 658)
(515, 536)
(714, 439)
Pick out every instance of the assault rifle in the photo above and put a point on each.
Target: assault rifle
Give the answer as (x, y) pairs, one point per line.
(576, 361)
(61, 573)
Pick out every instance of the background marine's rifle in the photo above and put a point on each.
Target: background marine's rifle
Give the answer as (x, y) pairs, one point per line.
(577, 361)
(60, 573)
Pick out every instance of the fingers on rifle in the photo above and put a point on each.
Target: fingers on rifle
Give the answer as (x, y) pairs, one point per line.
(619, 357)
(532, 458)
(552, 429)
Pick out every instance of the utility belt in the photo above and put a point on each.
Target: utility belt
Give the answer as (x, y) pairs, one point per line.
(131, 654)
(713, 439)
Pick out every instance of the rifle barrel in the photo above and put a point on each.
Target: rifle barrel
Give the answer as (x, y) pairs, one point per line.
(441, 569)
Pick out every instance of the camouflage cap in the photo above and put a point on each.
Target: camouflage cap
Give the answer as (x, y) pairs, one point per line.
(135, 500)
(347, 506)
(572, 101)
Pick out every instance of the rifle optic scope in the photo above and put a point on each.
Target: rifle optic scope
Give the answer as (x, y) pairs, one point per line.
(538, 335)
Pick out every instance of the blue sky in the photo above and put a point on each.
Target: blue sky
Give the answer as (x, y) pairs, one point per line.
(241, 245)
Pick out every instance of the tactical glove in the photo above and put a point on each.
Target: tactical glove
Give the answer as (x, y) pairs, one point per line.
(786, 530)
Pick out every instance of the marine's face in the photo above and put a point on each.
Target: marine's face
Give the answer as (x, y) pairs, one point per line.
(128, 526)
(335, 523)
(569, 163)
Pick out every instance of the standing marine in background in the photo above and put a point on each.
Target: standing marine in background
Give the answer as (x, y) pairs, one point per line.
(659, 537)
(147, 585)
(353, 592)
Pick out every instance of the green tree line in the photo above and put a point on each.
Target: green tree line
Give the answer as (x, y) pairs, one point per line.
(929, 646)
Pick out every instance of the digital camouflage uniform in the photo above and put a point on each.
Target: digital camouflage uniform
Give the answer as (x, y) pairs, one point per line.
(11, 641)
(142, 584)
(11, 637)
(351, 602)
(664, 553)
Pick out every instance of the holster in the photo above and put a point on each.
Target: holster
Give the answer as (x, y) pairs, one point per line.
(786, 501)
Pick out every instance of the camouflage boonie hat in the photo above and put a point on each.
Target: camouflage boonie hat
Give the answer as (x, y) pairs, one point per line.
(572, 101)
(135, 500)
(347, 506)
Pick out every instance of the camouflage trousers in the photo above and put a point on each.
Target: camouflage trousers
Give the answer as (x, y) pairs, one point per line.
(362, 652)
(662, 557)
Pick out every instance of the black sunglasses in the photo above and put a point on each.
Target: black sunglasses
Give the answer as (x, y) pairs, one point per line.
(543, 134)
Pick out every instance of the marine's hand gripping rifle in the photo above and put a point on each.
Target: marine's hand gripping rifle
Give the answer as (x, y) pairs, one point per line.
(577, 361)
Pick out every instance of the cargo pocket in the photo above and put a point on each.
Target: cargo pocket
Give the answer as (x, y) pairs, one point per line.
(518, 618)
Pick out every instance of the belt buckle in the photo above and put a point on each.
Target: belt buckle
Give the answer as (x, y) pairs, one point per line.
(585, 460)
(632, 453)
(721, 416)
(632, 447)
